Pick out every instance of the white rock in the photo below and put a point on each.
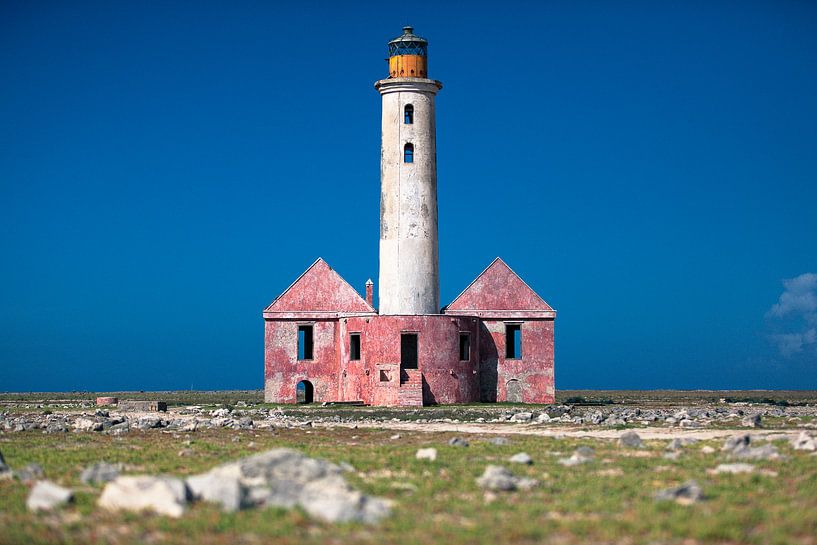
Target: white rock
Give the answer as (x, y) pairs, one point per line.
(735, 468)
(86, 424)
(426, 454)
(46, 496)
(804, 442)
(521, 458)
(163, 495)
(221, 485)
(522, 417)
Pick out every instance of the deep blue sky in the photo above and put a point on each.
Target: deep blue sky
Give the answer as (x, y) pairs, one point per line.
(167, 169)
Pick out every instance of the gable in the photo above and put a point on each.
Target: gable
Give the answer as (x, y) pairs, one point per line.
(498, 288)
(319, 289)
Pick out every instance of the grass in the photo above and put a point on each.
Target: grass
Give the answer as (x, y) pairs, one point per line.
(606, 501)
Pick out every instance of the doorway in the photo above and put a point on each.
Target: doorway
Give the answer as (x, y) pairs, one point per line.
(513, 392)
(304, 392)
(408, 351)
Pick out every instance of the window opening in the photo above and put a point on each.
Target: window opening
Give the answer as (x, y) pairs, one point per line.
(408, 153)
(354, 346)
(305, 342)
(465, 347)
(408, 114)
(513, 341)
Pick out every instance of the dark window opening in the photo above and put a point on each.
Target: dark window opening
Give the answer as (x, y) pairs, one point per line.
(465, 347)
(354, 346)
(304, 392)
(408, 351)
(408, 153)
(408, 114)
(304, 342)
(513, 341)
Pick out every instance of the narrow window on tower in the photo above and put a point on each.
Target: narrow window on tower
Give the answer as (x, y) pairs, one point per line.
(304, 342)
(465, 346)
(408, 153)
(513, 341)
(409, 114)
(354, 346)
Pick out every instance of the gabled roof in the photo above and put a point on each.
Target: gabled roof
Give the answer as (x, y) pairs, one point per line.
(319, 290)
(498, 288)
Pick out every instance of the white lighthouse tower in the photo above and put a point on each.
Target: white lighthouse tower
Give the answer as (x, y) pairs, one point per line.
(409, 257)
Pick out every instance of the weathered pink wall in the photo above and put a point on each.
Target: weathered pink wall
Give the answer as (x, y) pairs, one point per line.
(534, 370)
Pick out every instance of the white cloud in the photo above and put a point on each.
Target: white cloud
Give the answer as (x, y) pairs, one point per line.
(796, 313)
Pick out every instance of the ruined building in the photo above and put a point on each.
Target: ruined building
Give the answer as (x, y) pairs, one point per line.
(324, 342)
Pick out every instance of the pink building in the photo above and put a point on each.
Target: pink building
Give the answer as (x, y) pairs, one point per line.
(324, 342)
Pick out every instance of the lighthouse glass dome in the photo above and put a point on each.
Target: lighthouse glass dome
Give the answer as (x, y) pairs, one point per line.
(408, 44)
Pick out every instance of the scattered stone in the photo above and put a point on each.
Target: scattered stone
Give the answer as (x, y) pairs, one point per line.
(522, 417)
(581, 456)
(521, 458)
(751, 421)
(630, 439)
(706, 449)
(87, 424)
(5, 470)
(56, 427)
(543, 418)
(30, 473)
(804, 442)
(46, 496)
(426, 454)
(501, 478)
(395, 437)
(686, 494)
(148, 423)
(679, 443)
(766, 452)
(457, 442)
(499, 441)
(286, 478)
(162, 495)
(734, 468)
(100, 473)
(736, 441)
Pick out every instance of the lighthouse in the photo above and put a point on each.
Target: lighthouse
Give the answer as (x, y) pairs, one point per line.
(409, 256)
(324, 342)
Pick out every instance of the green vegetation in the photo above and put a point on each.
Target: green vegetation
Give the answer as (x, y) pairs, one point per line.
(609, 500)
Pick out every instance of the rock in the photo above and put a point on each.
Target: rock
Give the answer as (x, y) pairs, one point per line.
(734, 468)
(736, 441)
(521, 458)
(30, 473)
(102, 413)
(706, 449)
(86, 424)
(221, 486)
(679, 443)
(766, 452)
(751, 421)
(630, 439)
(581, 456)
(46, 496)
(395, 437)
(426, 454)
(162, 495)
(500, 478)
(522, 417)
(457, 442)
(56, 427)
(119, 429)
(804, 442)
(286, 478)
(148, 423)
(100, 473)
(686, 494)
(220, 413)
(498, 441)
(5, 470)
(543, 418)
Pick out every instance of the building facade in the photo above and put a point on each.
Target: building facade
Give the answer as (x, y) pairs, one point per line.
(324, 342)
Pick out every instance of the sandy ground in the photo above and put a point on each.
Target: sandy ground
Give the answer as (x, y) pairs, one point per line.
(539, 430)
